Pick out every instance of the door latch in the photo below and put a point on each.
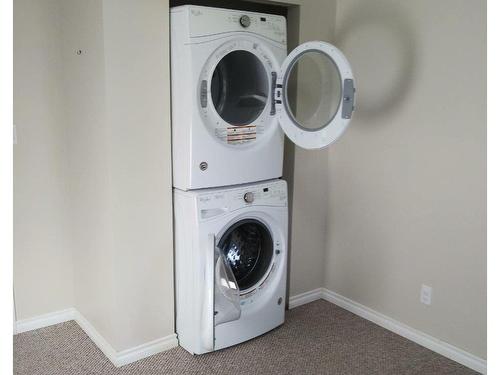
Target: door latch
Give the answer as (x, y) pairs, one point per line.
(348, 98)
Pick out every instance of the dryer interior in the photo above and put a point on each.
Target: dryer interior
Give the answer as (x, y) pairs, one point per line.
(240, 87)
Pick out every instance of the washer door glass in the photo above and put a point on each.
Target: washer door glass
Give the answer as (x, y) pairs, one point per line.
(248, 249)
(239, 88)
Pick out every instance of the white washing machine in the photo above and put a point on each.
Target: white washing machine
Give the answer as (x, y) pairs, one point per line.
(234, 90)
(230, 261)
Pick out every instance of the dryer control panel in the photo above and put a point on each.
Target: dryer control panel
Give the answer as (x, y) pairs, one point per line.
(206, 21)
(214, 203)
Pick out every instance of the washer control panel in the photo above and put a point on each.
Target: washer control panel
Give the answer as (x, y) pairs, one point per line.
(215, 203)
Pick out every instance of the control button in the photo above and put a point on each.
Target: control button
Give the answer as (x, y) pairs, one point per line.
(245, 21)
(248, 197)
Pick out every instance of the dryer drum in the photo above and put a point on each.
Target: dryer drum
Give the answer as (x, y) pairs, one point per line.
(239, 88)
(248, 248)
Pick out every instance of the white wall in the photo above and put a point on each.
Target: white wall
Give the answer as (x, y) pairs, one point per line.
(407, 182)
(43, 269)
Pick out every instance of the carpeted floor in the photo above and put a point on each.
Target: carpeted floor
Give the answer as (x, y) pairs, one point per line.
(317, 338)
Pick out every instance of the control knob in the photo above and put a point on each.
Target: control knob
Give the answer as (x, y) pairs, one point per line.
(248, 197)
(245, 21)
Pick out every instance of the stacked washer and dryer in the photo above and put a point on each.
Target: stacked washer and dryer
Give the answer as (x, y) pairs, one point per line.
(235, 92)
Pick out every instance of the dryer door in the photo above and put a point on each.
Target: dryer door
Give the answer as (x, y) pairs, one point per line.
(314, 95)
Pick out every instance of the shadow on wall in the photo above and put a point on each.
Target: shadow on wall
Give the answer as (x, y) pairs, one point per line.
(383, 80)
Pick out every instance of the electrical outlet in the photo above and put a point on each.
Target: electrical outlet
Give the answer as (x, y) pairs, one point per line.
(426, 294)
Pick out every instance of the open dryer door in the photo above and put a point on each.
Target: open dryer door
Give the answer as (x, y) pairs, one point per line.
(314, 95)
(221, 299)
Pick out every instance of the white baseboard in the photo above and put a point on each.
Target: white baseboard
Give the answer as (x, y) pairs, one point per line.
(127, 356)
(44, 320)
(96, 337)
(156, 346)
(303, 298)
(118, 359)
(145, 350)
(452, 352)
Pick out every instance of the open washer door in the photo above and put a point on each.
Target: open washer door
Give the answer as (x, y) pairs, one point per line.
(314, 95)
(221, 295)
(227, 293)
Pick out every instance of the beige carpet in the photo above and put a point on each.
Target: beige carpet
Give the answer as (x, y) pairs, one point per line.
(317, 338)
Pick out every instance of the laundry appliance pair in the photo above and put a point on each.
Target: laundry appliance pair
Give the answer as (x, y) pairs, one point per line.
(235, 93)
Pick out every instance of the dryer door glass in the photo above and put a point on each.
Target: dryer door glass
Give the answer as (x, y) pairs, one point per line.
(315, 95)
(248, 248)
(239, 88)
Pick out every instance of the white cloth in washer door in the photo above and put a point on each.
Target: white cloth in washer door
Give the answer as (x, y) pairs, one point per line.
(227, 293)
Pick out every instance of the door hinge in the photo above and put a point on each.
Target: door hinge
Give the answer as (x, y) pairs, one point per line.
(276, 90)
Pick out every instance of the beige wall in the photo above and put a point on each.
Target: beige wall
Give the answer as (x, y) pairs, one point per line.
(43, 270)
(93, 220)
(407, 201)
(136, 46)
(118, 116)
(88, 138)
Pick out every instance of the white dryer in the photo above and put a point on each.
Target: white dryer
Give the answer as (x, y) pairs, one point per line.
(234, 90)
(230, 261)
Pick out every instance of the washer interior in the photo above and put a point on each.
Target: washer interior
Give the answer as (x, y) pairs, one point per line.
(248, 247)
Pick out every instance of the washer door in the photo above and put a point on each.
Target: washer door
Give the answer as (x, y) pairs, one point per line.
(226, 293)
(247, 247)
(220, 295)
(314, 95)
